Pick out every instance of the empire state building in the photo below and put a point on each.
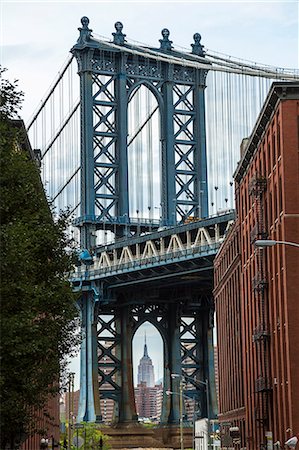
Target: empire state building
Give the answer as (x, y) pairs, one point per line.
(146, 369)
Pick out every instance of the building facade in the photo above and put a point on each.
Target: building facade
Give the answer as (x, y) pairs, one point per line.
(147, 400)
(229, 345)
(256, 289)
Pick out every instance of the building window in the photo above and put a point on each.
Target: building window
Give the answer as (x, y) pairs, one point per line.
(274, 149)
(278, 141)
(270, 209)
(275, 202)
(280, 195)
(269, 158)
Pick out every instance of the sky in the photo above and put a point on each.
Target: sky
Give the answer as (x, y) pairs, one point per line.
(36, 38)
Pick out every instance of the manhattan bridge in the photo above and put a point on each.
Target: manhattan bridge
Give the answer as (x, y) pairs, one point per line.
(140, 143)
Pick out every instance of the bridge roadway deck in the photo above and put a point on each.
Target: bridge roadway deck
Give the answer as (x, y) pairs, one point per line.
(166, 254)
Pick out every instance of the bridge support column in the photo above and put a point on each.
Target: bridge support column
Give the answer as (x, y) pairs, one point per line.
(89, 405)
(200, 132)
(168, 153)
(127, 412)
(121, 143)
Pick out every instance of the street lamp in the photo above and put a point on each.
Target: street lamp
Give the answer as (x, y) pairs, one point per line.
(270, 243)
(70, 407)
(181, 410)
(44, 443)
(204, 383)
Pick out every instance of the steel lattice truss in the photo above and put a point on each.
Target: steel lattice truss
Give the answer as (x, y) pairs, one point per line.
(110, 79)
(109, 348)
(104, 139)
(108, 356)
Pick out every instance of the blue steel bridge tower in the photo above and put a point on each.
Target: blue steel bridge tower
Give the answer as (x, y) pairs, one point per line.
(110, 75)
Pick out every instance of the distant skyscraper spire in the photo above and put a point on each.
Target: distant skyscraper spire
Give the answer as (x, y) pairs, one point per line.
(145, 354)
(146, 368)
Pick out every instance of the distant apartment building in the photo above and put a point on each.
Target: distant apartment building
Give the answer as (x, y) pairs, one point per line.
(147, 400)
(71, 405)
(159, 400)
(256, 289)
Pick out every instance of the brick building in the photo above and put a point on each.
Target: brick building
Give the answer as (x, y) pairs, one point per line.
(147, 400)
(71, 405)
(256, 290)
(47, 420)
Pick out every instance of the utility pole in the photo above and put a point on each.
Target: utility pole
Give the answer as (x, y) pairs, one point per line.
(70, 408)
(181, 415)
(208, 412)
(198, 382)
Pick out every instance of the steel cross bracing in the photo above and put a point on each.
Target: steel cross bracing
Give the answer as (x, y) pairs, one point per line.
(236, 88)
(185, 248)
(110, 77)
(183, 330)
(164, 278)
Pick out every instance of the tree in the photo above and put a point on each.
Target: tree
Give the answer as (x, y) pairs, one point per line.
(91, 438)
(39, 317)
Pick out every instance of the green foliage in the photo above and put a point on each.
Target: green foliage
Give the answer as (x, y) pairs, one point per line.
(90, 435)
(38, 308)
(149, 425)
(10, 98)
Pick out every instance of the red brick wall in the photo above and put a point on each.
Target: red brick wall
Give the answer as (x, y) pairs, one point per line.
(52, 426)
(228, 318)
(275, 358)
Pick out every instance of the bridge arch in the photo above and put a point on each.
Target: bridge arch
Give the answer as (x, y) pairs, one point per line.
(151, 87)
(149, 348)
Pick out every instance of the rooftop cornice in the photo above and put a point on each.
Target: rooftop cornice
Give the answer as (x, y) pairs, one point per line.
(279, 91)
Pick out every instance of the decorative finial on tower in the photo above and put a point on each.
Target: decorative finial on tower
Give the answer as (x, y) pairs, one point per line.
(118, 37)
(165, 42)
(197, 48)
(85, 32)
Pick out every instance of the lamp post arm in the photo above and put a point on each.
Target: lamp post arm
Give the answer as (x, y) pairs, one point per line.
(261, 243)
(294, 244)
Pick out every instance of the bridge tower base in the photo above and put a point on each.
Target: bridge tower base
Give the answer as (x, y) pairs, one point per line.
(137, 436)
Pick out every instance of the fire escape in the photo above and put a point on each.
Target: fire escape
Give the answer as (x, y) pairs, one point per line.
(260, 337)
